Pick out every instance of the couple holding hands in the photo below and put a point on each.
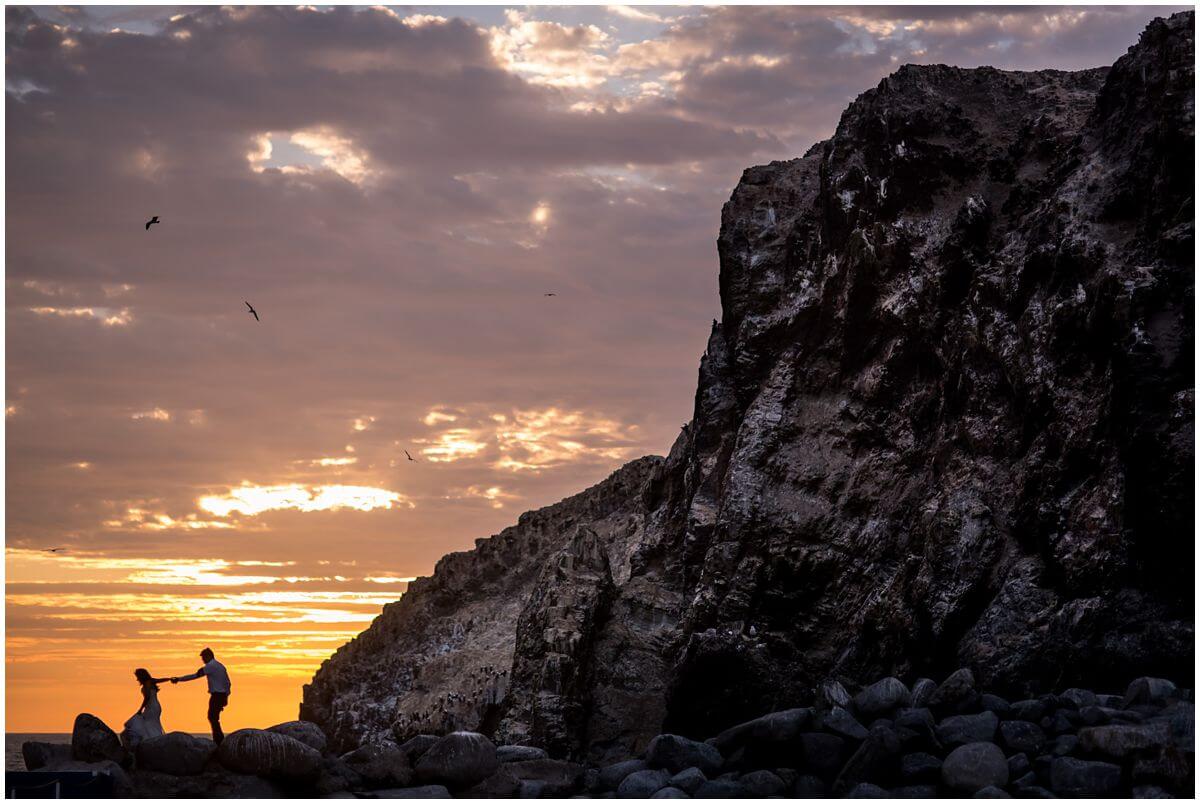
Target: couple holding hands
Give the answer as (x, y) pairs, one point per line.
(147, 721)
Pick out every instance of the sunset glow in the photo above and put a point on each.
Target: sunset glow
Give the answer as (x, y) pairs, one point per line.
(479, 241)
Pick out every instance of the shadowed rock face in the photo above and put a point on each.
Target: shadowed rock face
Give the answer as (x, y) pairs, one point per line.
(946, 420)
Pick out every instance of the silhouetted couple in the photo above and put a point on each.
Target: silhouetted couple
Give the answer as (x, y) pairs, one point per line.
(147, 721)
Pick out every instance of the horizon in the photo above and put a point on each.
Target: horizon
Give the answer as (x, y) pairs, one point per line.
(394, 190)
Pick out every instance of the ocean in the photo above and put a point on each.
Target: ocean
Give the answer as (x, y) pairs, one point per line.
(12, 747)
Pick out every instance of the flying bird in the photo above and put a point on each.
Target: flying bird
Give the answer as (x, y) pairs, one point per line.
(151, 222)
(411, 458)
(253, 312)
(54, 549)
(549, 294)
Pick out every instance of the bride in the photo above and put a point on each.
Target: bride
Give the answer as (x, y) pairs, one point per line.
(147, 720)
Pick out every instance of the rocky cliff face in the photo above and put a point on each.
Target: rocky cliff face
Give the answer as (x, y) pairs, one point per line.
(946, 419)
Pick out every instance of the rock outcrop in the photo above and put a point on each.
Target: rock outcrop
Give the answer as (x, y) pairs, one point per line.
(946, 420)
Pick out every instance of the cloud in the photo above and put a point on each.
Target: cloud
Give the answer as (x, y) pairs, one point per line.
(105, 315)
(530, 440)
(252, 500)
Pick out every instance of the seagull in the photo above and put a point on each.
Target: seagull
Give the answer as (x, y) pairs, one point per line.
(151, 222)
(549, 294)
(253, 312)
(54, 549)
(411, 458)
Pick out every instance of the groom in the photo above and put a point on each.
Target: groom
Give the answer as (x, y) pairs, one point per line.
(218, 689)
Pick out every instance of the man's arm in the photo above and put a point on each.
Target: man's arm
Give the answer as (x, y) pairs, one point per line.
(192, 677)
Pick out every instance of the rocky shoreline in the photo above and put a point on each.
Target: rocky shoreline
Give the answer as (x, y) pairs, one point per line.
(888, 739)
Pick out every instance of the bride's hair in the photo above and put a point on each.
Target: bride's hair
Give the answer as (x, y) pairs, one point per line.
(143, 675)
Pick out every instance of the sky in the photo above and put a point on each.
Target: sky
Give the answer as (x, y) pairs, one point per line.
(395, 190)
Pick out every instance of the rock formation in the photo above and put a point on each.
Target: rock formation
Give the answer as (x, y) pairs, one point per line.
(945, 420)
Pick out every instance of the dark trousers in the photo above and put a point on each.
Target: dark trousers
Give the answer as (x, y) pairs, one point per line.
(216, 702)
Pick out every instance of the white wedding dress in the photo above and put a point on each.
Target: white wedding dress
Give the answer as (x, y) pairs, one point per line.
(145, 724)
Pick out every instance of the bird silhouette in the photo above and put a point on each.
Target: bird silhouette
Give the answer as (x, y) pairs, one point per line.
(411, 458)
(549, 294)
(253, 312)
(54, 549)
(151, 222)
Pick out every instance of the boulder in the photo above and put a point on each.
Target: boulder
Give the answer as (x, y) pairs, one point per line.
(1021, 736)
(556, 778)
(675, 753)
(876, 760)
(380, 765)
(1076, 777)
(775, 727)
(1147, 690)
(670, 792)
(921, 723)
(882, 697)
(38, 755)
(176, 752)
(306, 732)
(612, 775)
(919, 768)
(1030, 709)
(414, 747)
(962, 729)
(501, 784)
(762, 784)
(922, 691)
(265, 753)
(974, 766)
(831, 693)
(1079, 698)
(519, 753)
(336, 776)
(994, 703)
(688, 780)
(642, 784)
(809, 787)
(1121, 741)
(843, 724)
(458, 760)
(1170, 767)
(93, 741)
(955, 694)
(1018, 766)
(868, 790)
(822, 754)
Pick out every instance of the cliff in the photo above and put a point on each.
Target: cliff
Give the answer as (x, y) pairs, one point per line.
(946, 420)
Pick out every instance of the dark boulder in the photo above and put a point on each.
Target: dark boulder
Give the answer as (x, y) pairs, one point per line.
(265, 753)
(93, 741)
(962, 729)
(643, 783)
(688, 780)
(308, 733)
(380, 765)
(882, 697)
(1077, 777)
(458, 760)
(519, 753)
(37, 755)
(972, 767)
(675, 753)
(177, 753)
